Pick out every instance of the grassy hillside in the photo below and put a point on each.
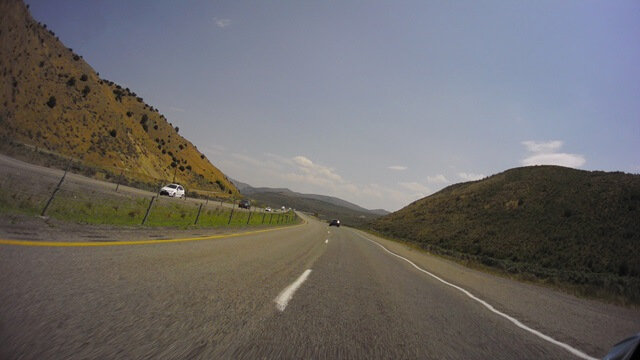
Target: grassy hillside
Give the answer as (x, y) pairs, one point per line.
(558, 224)
(51, 98)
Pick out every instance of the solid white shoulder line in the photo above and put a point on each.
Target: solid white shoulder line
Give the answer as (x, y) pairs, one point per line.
(283, 299)
(572, 350)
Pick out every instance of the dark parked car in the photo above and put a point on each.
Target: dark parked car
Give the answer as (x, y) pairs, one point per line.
(244, 204)
(335, 222)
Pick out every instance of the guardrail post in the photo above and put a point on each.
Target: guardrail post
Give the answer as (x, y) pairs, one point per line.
(249, 219)
(270, 217)
(198, 216)
(56, 189)
(263, 215)
(148, 210)
(119, 179)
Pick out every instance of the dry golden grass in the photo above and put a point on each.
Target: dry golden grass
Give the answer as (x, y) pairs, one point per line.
(91, 118)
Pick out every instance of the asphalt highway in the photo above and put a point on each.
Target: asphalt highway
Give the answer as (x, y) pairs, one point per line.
(308, 291)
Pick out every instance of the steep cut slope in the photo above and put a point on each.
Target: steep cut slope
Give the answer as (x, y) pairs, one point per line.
(549, 221)
(51, 98)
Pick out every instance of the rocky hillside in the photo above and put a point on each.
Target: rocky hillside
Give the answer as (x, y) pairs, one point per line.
(51, 98)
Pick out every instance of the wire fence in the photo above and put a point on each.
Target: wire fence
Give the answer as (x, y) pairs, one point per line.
(66, 196)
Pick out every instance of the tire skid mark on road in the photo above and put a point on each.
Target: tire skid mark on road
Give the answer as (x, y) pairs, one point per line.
(137, 242)
(287, 294)
(515, 321)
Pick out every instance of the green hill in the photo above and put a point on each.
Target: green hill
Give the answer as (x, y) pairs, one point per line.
(53, 100)
(562, 225)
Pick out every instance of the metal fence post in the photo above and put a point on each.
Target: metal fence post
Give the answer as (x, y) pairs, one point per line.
(263, 215)
(198, 216)
(270, 217)
(56, 189)
(148, 210)
(249, 219)
(233, 208)
(119, 179)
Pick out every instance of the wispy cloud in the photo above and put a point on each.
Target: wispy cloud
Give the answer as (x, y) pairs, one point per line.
(438, 179)
(547, 153)
(397, 167)
(302, 174)
(470, 176)
(416, 187)
(222, 23)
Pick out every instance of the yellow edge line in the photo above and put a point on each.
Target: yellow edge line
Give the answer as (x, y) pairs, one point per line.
(135, 242)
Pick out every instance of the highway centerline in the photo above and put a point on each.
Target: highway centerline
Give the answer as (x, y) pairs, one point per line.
(283, 299)
(516, 322)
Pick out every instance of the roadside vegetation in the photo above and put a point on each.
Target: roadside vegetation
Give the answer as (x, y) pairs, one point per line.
(566, 228)
(29, 196)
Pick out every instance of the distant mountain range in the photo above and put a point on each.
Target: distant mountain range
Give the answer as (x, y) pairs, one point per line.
(52, 99)
(326, 207)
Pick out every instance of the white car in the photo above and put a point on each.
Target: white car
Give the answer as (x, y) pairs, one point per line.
(267, 209)
(173, 190)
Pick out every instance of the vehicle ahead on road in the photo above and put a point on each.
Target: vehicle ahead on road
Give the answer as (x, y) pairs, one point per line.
(335, 222)
(244, 204)
(267, 209)
(173, 190)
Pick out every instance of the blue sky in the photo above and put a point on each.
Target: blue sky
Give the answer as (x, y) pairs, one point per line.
(376, 102)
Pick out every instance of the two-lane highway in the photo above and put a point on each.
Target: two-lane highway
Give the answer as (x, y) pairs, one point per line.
(346, 297)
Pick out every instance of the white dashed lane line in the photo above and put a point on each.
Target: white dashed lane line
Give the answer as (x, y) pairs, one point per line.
(283, 299)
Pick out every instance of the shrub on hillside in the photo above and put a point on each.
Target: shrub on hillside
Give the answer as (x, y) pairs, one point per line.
(86, 90)
(52, 102)
(113, 133)
(83, 77)
(71, 81)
